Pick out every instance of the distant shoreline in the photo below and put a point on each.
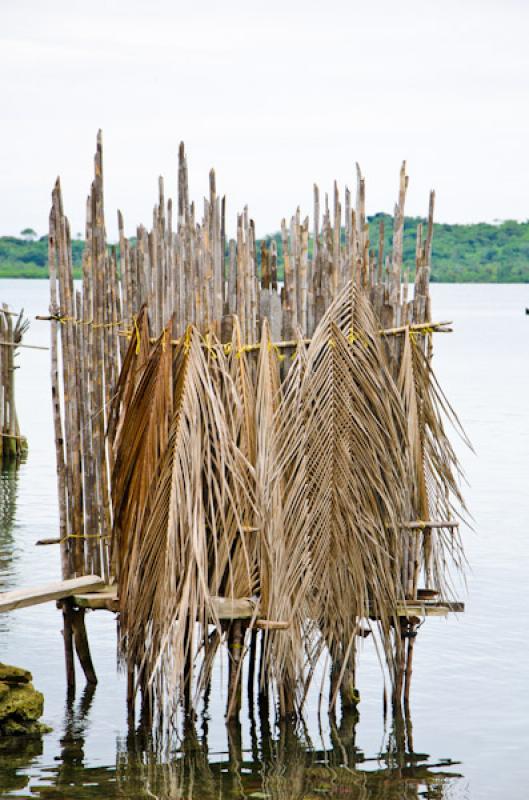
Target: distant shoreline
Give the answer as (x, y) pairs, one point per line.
(475, 253)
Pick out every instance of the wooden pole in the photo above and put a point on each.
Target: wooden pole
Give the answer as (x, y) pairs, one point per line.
(235, 647)
(81, 644)
(67, 632)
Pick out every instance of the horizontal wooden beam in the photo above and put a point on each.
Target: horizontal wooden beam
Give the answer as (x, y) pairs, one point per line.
(420, 525)
(104, 600)
(33, 595)
(24, 346)
(423, 328)
(429, 608)
(227, 608)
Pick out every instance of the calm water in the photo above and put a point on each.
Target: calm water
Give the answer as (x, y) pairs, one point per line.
(470, 703)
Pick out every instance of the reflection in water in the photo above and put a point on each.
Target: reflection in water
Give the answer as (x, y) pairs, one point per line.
(17, 753)
(280, 765)
(8, 549)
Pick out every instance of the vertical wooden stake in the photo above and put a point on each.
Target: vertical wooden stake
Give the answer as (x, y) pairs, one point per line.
(81, 645)
(130, 689)
(400, 662)
(251, 671)
(67, 633)
(235, 645)
(412, 634)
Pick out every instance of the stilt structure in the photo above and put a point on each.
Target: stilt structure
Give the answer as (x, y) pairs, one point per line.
(251, 442)
(12, 328)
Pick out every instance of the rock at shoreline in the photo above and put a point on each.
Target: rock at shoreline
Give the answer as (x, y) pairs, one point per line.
(21, 705)
(12, 675)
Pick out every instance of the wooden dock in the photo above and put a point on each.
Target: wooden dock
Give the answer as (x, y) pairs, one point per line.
(45, 593)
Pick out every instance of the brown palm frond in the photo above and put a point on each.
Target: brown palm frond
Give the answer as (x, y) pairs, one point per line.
(235, 561)
(441, 471)
(267, 399)
(144, 402)
(413, 408)
(136, 355)
(357, 471)
(284, 562)
(290, 597)
(172, 567)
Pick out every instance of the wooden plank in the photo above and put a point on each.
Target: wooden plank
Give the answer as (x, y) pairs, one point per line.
(429, 609)
(226, 607)
(16, 345)
(420, 525)
(33, 595)
(104, 600)
(233, 608)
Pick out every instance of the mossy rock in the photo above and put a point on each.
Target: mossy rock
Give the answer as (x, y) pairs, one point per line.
(14, 728)
(14, 675)
(20, 710)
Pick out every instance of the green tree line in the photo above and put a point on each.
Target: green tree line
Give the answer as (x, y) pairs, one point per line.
(479, 252)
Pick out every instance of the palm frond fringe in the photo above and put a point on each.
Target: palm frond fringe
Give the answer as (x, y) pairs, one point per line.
(236, 477)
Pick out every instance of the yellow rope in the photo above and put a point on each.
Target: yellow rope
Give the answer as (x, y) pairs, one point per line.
(245, 348)
(424, 330)
(84, 536)
(208, 345)
(137, 332)
(63, 320)
(357, 336)
(102, 324)
(273, 347)
(187, 340)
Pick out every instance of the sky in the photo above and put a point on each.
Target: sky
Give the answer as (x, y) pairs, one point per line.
(274, 95)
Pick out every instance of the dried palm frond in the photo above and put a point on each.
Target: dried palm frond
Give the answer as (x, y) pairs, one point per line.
(197, 488)
(140, 426)
(234, 561)
(289, 595)
(353, 438)
(436, 471)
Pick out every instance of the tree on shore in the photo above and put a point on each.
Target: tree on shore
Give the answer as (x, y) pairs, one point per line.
(29, 234)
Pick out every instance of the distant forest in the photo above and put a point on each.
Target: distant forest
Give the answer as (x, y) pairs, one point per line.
(480, 253)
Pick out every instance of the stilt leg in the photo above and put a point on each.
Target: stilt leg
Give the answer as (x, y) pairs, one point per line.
(412, 633)
(349, 694)
(67, 633)
(81, 645)
(235, 645)
(400, 663)
(130, 694)
(251, 672)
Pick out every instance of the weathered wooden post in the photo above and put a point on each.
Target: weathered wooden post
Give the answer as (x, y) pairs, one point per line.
(12, 444)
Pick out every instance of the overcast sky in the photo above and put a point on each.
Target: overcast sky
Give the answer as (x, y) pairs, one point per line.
(274, 95)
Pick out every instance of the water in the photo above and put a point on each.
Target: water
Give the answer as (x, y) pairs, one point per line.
(470, 704)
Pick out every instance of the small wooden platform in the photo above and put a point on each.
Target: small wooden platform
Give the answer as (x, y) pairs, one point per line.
(34, 595)
(107, 600)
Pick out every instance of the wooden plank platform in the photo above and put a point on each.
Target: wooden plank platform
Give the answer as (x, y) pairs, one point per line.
(107, 600)
(429, 608)
(244, 608)
(33, 595)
